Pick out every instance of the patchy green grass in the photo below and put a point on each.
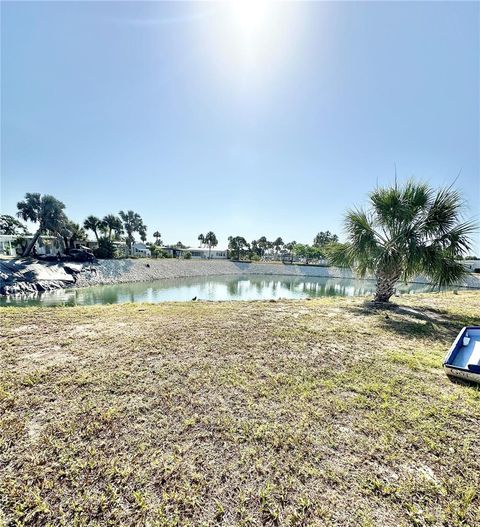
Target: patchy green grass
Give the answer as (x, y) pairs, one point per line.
(294, 413)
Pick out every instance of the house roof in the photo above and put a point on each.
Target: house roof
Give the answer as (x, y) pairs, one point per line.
(205, 249)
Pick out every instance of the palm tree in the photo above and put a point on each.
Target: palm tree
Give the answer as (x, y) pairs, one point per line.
(290, 246)
(201, 239)
(263, 244)
(158, 238)
(71, 233)
(408, 230)
(45, 210)
(211, 241)
(324, 238)
(112, 224)
(255, 248)
(94, 224)
(132, 223)
(237, 244)
(278, 244)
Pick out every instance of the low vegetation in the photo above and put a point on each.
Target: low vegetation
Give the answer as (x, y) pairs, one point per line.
(328, 412)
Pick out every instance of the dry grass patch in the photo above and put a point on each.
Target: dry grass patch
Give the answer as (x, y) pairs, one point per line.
(294, 413)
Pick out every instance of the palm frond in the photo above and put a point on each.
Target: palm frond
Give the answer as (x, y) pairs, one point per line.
(440, 268)
(396, 207)
(443, 213)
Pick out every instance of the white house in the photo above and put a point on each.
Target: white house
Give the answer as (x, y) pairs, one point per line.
(44, 245)
(214, 253)
(140, 249)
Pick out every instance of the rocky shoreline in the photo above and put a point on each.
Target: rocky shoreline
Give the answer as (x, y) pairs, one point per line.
(26, 276)
(143, 270)
(30, 276)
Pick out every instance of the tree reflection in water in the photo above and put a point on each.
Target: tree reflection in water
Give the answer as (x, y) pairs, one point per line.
(256, 287)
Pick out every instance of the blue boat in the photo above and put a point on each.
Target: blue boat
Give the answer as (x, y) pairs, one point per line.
(463, 359)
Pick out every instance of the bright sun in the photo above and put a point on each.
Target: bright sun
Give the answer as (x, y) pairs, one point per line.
(251, 40)
(251, 16)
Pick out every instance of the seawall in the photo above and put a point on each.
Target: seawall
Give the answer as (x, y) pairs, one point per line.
(143, 270)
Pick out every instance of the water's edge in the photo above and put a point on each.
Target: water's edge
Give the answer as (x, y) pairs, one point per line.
(124, 271)
(248, 287)
(30, 277)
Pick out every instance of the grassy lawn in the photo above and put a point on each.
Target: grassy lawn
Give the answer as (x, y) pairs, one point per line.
(291, 413)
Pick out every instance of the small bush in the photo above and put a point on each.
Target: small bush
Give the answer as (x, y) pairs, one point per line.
(156, 251)
(105, 249)
(255, 258)
(187, 255)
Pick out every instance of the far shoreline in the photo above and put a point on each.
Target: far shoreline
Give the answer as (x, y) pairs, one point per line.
(136, 270)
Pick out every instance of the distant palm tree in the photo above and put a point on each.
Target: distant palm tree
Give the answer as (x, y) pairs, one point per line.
(94, 224)
(112, 224)
(158, 237)
(290, 246)
(45, 210)
(201, 239)
(211, 241)
(263, 243)
(236, 245)
(408, 230)
(132, 223)
(278, 244)
(324, 238)
(71, 233)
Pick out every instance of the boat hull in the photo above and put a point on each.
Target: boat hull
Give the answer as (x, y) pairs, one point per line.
(463, 359)
(461, 373)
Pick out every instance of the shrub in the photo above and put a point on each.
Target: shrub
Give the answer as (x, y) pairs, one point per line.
(105, 249)
(187, 255)
(255, 258)
(155, 251)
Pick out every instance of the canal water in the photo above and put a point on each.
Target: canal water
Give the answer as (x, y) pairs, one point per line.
(256, 287)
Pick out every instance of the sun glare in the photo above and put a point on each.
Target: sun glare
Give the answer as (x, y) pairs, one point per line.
(251, 16)
(250, 41)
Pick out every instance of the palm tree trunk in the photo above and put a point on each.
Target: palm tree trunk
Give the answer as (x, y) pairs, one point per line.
(385, 286)
(32, 243)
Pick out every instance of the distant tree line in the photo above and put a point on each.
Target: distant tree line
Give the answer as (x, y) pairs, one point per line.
(277, 249)
(48, 214)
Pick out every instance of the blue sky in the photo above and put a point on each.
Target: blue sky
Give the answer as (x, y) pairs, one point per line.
(244, 119)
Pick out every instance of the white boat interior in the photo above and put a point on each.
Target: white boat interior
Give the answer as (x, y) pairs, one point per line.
(468, 351)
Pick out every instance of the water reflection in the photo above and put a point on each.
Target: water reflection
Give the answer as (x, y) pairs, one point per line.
(257, 287)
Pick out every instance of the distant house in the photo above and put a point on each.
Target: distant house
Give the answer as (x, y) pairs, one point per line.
(174, 251)
(121, 248)
(45, 244)
(140, 249)
(199, 253)
(204, 252)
